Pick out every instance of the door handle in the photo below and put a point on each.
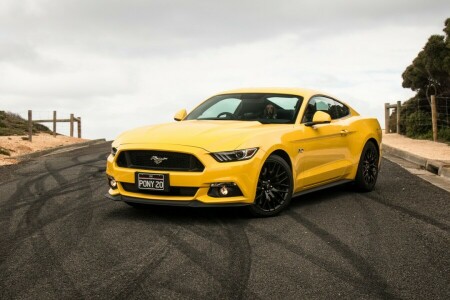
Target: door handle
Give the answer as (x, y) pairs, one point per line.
(344, 132)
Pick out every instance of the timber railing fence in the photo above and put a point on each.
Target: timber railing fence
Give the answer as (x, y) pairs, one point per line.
(71, 120)
(418, 116)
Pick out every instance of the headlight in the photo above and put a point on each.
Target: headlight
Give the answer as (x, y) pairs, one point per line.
(235, 155)
(113, 151)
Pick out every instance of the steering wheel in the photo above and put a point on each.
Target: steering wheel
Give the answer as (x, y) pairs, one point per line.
(227, 115)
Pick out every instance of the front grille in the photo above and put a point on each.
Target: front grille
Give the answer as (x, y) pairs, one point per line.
(174, 190)
(159, 160)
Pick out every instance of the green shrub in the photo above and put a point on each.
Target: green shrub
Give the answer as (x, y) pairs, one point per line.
(40, 128)
(11, 131)
(418, 124)
(14, 124)
(444, 134)
(4, 151)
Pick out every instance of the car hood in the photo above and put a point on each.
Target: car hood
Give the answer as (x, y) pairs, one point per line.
(210, 135)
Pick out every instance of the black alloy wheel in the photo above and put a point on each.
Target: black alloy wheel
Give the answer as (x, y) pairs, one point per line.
(367, 173)
(274, 188)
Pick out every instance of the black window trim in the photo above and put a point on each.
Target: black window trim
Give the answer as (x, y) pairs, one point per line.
(325, 96)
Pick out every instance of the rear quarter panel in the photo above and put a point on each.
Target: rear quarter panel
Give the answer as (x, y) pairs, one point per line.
(360, 131)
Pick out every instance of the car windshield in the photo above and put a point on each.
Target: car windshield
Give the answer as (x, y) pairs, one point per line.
(262, 107)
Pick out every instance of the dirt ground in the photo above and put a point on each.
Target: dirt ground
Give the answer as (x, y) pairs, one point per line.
(18, 146)
(423, 148)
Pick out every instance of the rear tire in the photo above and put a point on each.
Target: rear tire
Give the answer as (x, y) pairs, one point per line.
(367, 173)
(274, 188)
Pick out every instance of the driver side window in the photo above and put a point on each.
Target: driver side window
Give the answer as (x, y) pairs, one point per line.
(334, 108)
(225, 106)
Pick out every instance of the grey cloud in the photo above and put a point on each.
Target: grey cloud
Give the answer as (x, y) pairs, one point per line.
(17, 52)
(140, 28)
(92, 56)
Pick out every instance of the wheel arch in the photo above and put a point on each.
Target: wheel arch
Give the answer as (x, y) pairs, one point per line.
(362, 145)
(283, 154)
(365, 180)
(373, 140)
(359, 141)
(269, 183)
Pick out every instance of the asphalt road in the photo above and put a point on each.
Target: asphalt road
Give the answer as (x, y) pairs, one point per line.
(61, 239)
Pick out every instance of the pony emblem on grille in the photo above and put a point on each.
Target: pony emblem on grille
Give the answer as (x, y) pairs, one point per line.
(157, 160)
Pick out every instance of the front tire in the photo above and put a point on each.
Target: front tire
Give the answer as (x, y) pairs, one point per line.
(274, 188)
(367, 173)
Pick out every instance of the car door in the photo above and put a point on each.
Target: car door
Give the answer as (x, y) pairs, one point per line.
(323, 154)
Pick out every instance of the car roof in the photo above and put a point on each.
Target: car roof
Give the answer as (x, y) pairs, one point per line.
(306, 93)
(303, 92)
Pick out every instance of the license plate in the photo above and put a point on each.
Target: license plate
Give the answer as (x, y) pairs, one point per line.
(152, 182)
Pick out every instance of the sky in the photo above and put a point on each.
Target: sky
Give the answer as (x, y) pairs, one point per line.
(124, 64)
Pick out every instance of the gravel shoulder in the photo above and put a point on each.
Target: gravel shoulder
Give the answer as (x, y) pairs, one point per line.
(18, 146)
(424, 148)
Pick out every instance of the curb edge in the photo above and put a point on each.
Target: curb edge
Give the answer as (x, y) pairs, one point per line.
(436, 167)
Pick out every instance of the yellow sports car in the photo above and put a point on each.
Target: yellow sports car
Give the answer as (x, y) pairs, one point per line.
(253, 147)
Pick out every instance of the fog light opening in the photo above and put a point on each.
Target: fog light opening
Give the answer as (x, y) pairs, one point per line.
(223, 191)
(112, 182)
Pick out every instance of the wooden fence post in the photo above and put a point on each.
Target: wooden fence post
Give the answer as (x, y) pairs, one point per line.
(71, 125)
(79, 127)
(30, 125)
(434, 117)
(54, 123)
(386, 117)
(399, 105)
(54, 120)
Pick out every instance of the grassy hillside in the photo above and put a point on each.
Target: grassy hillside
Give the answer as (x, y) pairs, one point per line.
(13, 124)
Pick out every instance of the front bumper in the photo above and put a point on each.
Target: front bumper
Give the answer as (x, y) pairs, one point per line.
(243, 173)
(188, 203)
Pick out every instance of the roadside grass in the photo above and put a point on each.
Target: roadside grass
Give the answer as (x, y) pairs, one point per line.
(13, 124)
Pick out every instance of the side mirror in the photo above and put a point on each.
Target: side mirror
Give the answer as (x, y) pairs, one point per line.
(320, 117)
(180, 115)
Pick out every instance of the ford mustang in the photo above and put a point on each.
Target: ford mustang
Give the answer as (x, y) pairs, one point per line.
(253, 147)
